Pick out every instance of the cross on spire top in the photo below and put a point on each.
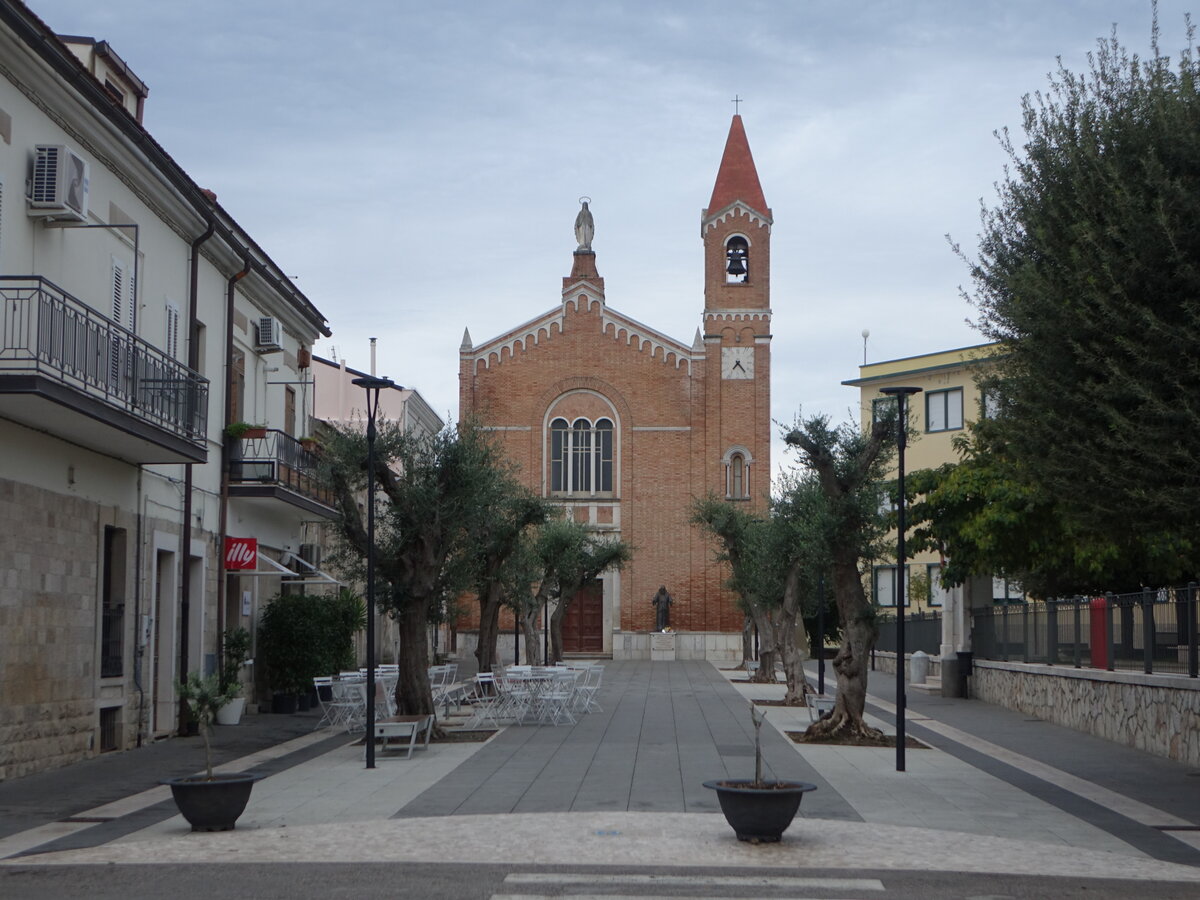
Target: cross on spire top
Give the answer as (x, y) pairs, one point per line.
(736, 101)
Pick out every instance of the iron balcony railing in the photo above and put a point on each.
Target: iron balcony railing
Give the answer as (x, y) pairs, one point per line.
(47, 332)
(280, 459)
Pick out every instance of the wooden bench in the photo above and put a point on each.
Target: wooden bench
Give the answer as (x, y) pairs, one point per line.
(400, 728)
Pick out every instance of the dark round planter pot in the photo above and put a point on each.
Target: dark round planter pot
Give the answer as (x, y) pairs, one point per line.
(760, 815)
(283, 704)
(212, 805)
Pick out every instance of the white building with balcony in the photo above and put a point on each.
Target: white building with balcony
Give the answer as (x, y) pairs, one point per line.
(138, 320)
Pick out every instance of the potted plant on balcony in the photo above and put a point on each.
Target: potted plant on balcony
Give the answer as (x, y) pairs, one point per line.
(759, 811)
(237, 654)
(238, 430)
(209, 802)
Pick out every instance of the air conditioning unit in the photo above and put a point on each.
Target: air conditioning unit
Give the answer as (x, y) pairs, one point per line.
(269, 335)
(59, 187)
(311, 554)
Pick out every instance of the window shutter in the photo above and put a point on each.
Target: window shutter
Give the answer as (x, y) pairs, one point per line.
(122, 302)
(172, 338)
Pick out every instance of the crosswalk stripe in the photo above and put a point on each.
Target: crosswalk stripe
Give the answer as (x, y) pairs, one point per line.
(775, 881)
(641, 897)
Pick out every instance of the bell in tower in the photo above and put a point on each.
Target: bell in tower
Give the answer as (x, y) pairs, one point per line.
(737, 256)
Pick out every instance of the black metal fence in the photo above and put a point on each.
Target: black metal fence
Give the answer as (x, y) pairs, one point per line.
(1149, 631)
(922, 631)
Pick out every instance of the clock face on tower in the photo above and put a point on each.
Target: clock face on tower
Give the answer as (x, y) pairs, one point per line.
(737, 362)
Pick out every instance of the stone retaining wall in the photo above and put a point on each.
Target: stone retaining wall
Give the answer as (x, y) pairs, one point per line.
(1156, 713)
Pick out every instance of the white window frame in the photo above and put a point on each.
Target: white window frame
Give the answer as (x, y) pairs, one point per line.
(938, 594)
(891, 598)
(943, 397)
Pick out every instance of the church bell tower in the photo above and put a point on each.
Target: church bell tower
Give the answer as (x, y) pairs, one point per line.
(736, 229)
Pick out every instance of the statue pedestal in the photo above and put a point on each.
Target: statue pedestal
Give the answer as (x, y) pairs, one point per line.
(662, 646)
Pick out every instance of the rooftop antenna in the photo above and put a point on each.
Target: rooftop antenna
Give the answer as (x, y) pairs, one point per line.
(866, 333)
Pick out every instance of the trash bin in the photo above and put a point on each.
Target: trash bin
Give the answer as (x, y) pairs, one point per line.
(918, 667)
(950, 685)
(966, 663)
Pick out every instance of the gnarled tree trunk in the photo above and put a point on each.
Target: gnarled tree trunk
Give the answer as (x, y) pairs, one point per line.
(533, 640)
(489, 627)
(414, 697)
(791, 644)
(747, 640)
(859, 632)
(768, 653)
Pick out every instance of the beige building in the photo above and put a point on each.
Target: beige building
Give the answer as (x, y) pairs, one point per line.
(949, 400)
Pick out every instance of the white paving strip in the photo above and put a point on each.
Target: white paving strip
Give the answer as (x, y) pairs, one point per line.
(684, 840)
(24, 841)
(1102, 796)
(749, 881)
(639, 897)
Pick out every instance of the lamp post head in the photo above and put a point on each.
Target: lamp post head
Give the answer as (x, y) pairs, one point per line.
(373, 383)
(891, 391)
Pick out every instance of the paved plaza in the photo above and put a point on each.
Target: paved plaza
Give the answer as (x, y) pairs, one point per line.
(994, 791)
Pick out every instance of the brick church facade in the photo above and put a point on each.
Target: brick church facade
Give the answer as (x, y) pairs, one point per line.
(624, 426)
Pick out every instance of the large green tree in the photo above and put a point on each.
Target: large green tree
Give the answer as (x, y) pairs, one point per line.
(984, 515)
(774, 566)
(434, 496)
(1088, 272)
(849, 466)
(514, 512)
(571, 556)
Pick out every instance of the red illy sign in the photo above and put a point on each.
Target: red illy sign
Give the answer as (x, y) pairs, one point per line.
(241, 553)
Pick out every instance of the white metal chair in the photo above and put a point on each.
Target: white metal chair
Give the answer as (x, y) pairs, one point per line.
(588, 688)
(555, 699)
(350, 704)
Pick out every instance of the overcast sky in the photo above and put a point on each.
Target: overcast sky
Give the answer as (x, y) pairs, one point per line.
(417, 166)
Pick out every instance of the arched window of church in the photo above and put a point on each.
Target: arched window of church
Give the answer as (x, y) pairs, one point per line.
(737, 260)
(581, 456)
(559, 459)
(737, 474)
(604, 455)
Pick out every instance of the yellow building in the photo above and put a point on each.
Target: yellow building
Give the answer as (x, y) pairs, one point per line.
(949, 401)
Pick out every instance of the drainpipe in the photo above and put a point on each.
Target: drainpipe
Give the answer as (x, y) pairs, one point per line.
(230, 291)
(185, 593)
(139, 646)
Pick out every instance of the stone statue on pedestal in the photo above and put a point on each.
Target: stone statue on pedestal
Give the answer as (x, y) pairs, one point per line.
(585, 228)
(662, 607)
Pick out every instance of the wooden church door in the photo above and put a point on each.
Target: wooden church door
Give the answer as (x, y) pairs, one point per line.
(584, 623)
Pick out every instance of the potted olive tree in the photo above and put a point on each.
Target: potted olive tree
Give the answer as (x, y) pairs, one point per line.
(209, 802)
(236, 643)
(759, 811)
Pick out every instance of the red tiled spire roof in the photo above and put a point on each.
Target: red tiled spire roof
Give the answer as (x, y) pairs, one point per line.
(737, 179)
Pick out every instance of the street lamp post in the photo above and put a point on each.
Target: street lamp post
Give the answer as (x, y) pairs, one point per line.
(373, 386)
(901, 394)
